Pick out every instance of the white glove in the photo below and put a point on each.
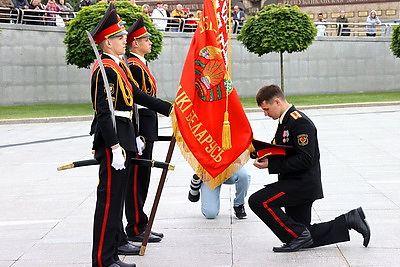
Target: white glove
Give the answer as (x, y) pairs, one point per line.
(140, 145)
(118, 160)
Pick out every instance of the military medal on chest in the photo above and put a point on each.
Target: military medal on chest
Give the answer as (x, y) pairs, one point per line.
(285, 136)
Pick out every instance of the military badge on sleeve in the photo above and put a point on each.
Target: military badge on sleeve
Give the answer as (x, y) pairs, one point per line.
(302, 139)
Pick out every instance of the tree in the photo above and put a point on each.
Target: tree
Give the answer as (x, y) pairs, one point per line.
(395, 45)
(278, 28)
(79, 51)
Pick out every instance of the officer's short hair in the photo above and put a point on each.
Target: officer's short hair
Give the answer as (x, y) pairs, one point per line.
(268, 93)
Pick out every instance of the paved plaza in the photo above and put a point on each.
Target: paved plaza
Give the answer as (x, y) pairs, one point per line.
(47, 215)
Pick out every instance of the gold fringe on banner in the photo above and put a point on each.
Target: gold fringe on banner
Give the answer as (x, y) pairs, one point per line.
(212, 182)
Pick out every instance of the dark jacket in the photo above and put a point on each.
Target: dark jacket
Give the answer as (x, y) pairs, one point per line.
(102, 128)
(148, 120)
(20, 3)
(299, 172)
(83, 3)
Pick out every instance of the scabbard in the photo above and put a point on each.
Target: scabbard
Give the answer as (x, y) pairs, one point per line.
(164, 138)
(153, 164)
(140, 162)
(76, 164)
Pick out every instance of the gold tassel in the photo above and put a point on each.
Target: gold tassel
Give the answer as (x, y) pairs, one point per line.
(226, 133)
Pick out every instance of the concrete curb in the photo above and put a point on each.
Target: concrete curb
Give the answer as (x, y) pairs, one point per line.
(248, 110)
(331, 106)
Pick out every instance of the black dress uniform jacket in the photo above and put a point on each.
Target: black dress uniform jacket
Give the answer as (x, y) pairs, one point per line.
(298, 186)
(138, 185)
(108, 229)
(299, 173)
(104, 134)
(148, 120)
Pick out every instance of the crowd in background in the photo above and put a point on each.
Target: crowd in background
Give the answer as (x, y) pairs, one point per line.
(343, 24)
(177, 19)
(35, 11)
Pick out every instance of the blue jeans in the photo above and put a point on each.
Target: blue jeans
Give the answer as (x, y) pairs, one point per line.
(210, 198)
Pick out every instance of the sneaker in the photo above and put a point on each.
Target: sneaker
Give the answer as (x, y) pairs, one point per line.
(240, 213)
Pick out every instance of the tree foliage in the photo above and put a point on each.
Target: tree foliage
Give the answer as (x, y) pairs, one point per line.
(278, 28)
(79, 51)
(395, 45)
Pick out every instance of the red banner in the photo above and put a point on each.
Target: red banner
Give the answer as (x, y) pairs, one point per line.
(210, 125)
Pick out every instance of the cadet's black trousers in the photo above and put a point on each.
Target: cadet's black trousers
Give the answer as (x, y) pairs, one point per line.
(108, 228)
(136, 194)
(267, 204)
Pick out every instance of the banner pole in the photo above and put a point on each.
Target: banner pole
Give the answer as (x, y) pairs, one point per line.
(226, 129)
(157, 198)
(229, 38)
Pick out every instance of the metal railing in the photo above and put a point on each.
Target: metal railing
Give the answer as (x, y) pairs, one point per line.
(52, 18)
(175, 24)
(353, 29)
(35, 17)
(185, 25)
(9, 15)
(324, 28)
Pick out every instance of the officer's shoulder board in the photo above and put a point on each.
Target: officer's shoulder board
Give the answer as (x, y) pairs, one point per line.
(295, 115)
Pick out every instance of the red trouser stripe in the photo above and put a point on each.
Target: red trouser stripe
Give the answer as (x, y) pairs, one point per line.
(135, 197)
(106, 211)
(265, 204)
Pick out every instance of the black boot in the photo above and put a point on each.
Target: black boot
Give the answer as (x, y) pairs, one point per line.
(194, 192)
(303, 241)
(355, 219)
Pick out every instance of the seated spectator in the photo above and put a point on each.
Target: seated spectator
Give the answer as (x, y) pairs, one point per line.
(146, 10)
(21, 4)
(51, 17)
(178, 13)
(35, 17)
(190, 24)
(321, 27)
(158, 13)
(83, 3)
(342, 29)
(238, 18)
(65, 7)
(373, 20)
(169, 22)
(198, 14)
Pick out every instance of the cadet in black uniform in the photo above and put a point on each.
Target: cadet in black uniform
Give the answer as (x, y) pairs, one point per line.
(109, 143)
(299, 182)
(139, 44)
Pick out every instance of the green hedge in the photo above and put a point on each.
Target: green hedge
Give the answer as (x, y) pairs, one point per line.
(79, 51)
